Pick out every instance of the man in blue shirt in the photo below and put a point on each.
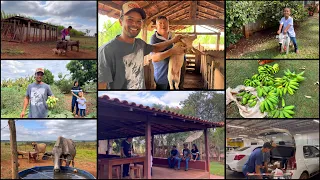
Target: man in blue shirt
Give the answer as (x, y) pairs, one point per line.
(160, 60)
(255, 161)
(174, 155)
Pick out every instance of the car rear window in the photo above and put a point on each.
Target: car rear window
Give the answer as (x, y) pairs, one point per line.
(281, 151)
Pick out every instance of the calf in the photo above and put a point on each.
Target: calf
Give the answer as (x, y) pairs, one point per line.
(62, 44)
(176, 61)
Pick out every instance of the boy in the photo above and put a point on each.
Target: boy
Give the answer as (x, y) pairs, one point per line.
(286, 24)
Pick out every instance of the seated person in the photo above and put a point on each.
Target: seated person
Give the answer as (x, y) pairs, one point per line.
(195, 153)
(186, 156)
(174, 155)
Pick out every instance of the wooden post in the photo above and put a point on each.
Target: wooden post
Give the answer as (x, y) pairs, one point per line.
(147, 161)
(206, 145)
(50, 33)
(45, 32)
(108, 147)
(28, 32)
(152, 145)
(57, 34)
(14, 153)
(218, 42)
(40, 33)
(34, 32)
(22, 33)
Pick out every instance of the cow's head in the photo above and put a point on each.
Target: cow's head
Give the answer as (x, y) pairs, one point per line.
(58, 157)
(33, 145)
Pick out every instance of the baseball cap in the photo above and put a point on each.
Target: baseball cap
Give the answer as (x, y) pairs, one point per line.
(132, 6)
(40, 70)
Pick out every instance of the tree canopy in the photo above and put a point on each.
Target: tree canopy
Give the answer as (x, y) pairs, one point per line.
(83, 70)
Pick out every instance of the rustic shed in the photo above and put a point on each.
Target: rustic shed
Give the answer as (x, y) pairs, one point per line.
(181, 14)
(120, 119)
(22, 29)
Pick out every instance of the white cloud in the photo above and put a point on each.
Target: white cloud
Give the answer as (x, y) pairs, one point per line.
(50, 129)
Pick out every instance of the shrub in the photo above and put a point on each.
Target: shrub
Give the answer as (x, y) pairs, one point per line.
(240, 13)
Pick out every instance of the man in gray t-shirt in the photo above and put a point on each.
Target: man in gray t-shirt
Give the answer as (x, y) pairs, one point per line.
(120, 61)
(37, 93)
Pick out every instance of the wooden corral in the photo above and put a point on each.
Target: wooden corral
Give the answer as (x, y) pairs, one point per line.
(181, 14)
(22, 29)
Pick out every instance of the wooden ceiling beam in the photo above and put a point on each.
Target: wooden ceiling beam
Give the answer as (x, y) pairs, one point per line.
(218, 5)
(112, 5)
(193, 9)
(178, 4)
(182, 16)
(211, 12)
(208, 16)
(175, 13)
(205, 33)
(198, 22)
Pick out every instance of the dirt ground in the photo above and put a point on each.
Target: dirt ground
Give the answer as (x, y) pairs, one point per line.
(23, 164)
(13, 50)
(90, 103)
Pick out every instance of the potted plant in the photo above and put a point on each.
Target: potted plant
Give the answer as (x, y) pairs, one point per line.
(311, 9)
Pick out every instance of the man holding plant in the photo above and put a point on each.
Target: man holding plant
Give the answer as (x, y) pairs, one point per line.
(37, 93)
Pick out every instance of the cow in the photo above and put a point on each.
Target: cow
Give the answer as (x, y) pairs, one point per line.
(176, 61)
(63, 150)
(39, 148)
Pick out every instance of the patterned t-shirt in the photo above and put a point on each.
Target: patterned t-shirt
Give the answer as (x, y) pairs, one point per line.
(120, 64)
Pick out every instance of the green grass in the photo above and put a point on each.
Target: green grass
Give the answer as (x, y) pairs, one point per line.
(238, 70)
(307, 35)
(216, 168)
(89, 43)
(12, 52)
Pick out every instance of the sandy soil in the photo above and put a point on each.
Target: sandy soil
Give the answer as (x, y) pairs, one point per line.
(24, 164)
(41, 51)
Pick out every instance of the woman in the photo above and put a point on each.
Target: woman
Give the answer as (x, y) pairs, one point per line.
(195, 153)
(75, 93)
(65, 32)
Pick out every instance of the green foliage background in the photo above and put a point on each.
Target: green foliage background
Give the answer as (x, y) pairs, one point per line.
(240, 13)
(111, 30)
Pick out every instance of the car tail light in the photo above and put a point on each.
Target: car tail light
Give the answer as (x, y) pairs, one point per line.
(239, 157)
(292, 164)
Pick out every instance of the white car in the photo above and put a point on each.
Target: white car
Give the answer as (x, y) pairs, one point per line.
(237, 158)
(300, 160)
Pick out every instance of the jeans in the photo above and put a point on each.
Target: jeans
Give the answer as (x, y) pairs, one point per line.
(175, 159)
(198, 158)
(187, 163)
(125, 171)
(82, 112)
(162, 86)
(74, 103)
(294, 41)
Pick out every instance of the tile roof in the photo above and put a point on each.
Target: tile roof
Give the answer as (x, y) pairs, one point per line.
(170, 113)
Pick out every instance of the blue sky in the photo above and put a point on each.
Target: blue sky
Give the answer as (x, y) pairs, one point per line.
(170, 98)
(14, 69)
(49, 130)
(81, 15)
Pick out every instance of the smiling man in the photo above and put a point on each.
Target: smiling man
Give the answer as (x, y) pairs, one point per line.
(120, 61)
(37, 93)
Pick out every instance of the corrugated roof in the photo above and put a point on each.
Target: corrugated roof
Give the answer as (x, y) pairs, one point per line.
(148, 108)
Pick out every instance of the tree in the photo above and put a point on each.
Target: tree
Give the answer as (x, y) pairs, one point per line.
(83, 70)
(207, 105)
(48, 77)
(87, 32)
(64, 84)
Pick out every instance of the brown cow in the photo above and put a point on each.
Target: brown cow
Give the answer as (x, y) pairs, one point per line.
(39, 148)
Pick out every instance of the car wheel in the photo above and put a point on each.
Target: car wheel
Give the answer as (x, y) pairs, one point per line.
(304, 176)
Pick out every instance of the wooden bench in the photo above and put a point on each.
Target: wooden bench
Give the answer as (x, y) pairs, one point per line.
(163, 162)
